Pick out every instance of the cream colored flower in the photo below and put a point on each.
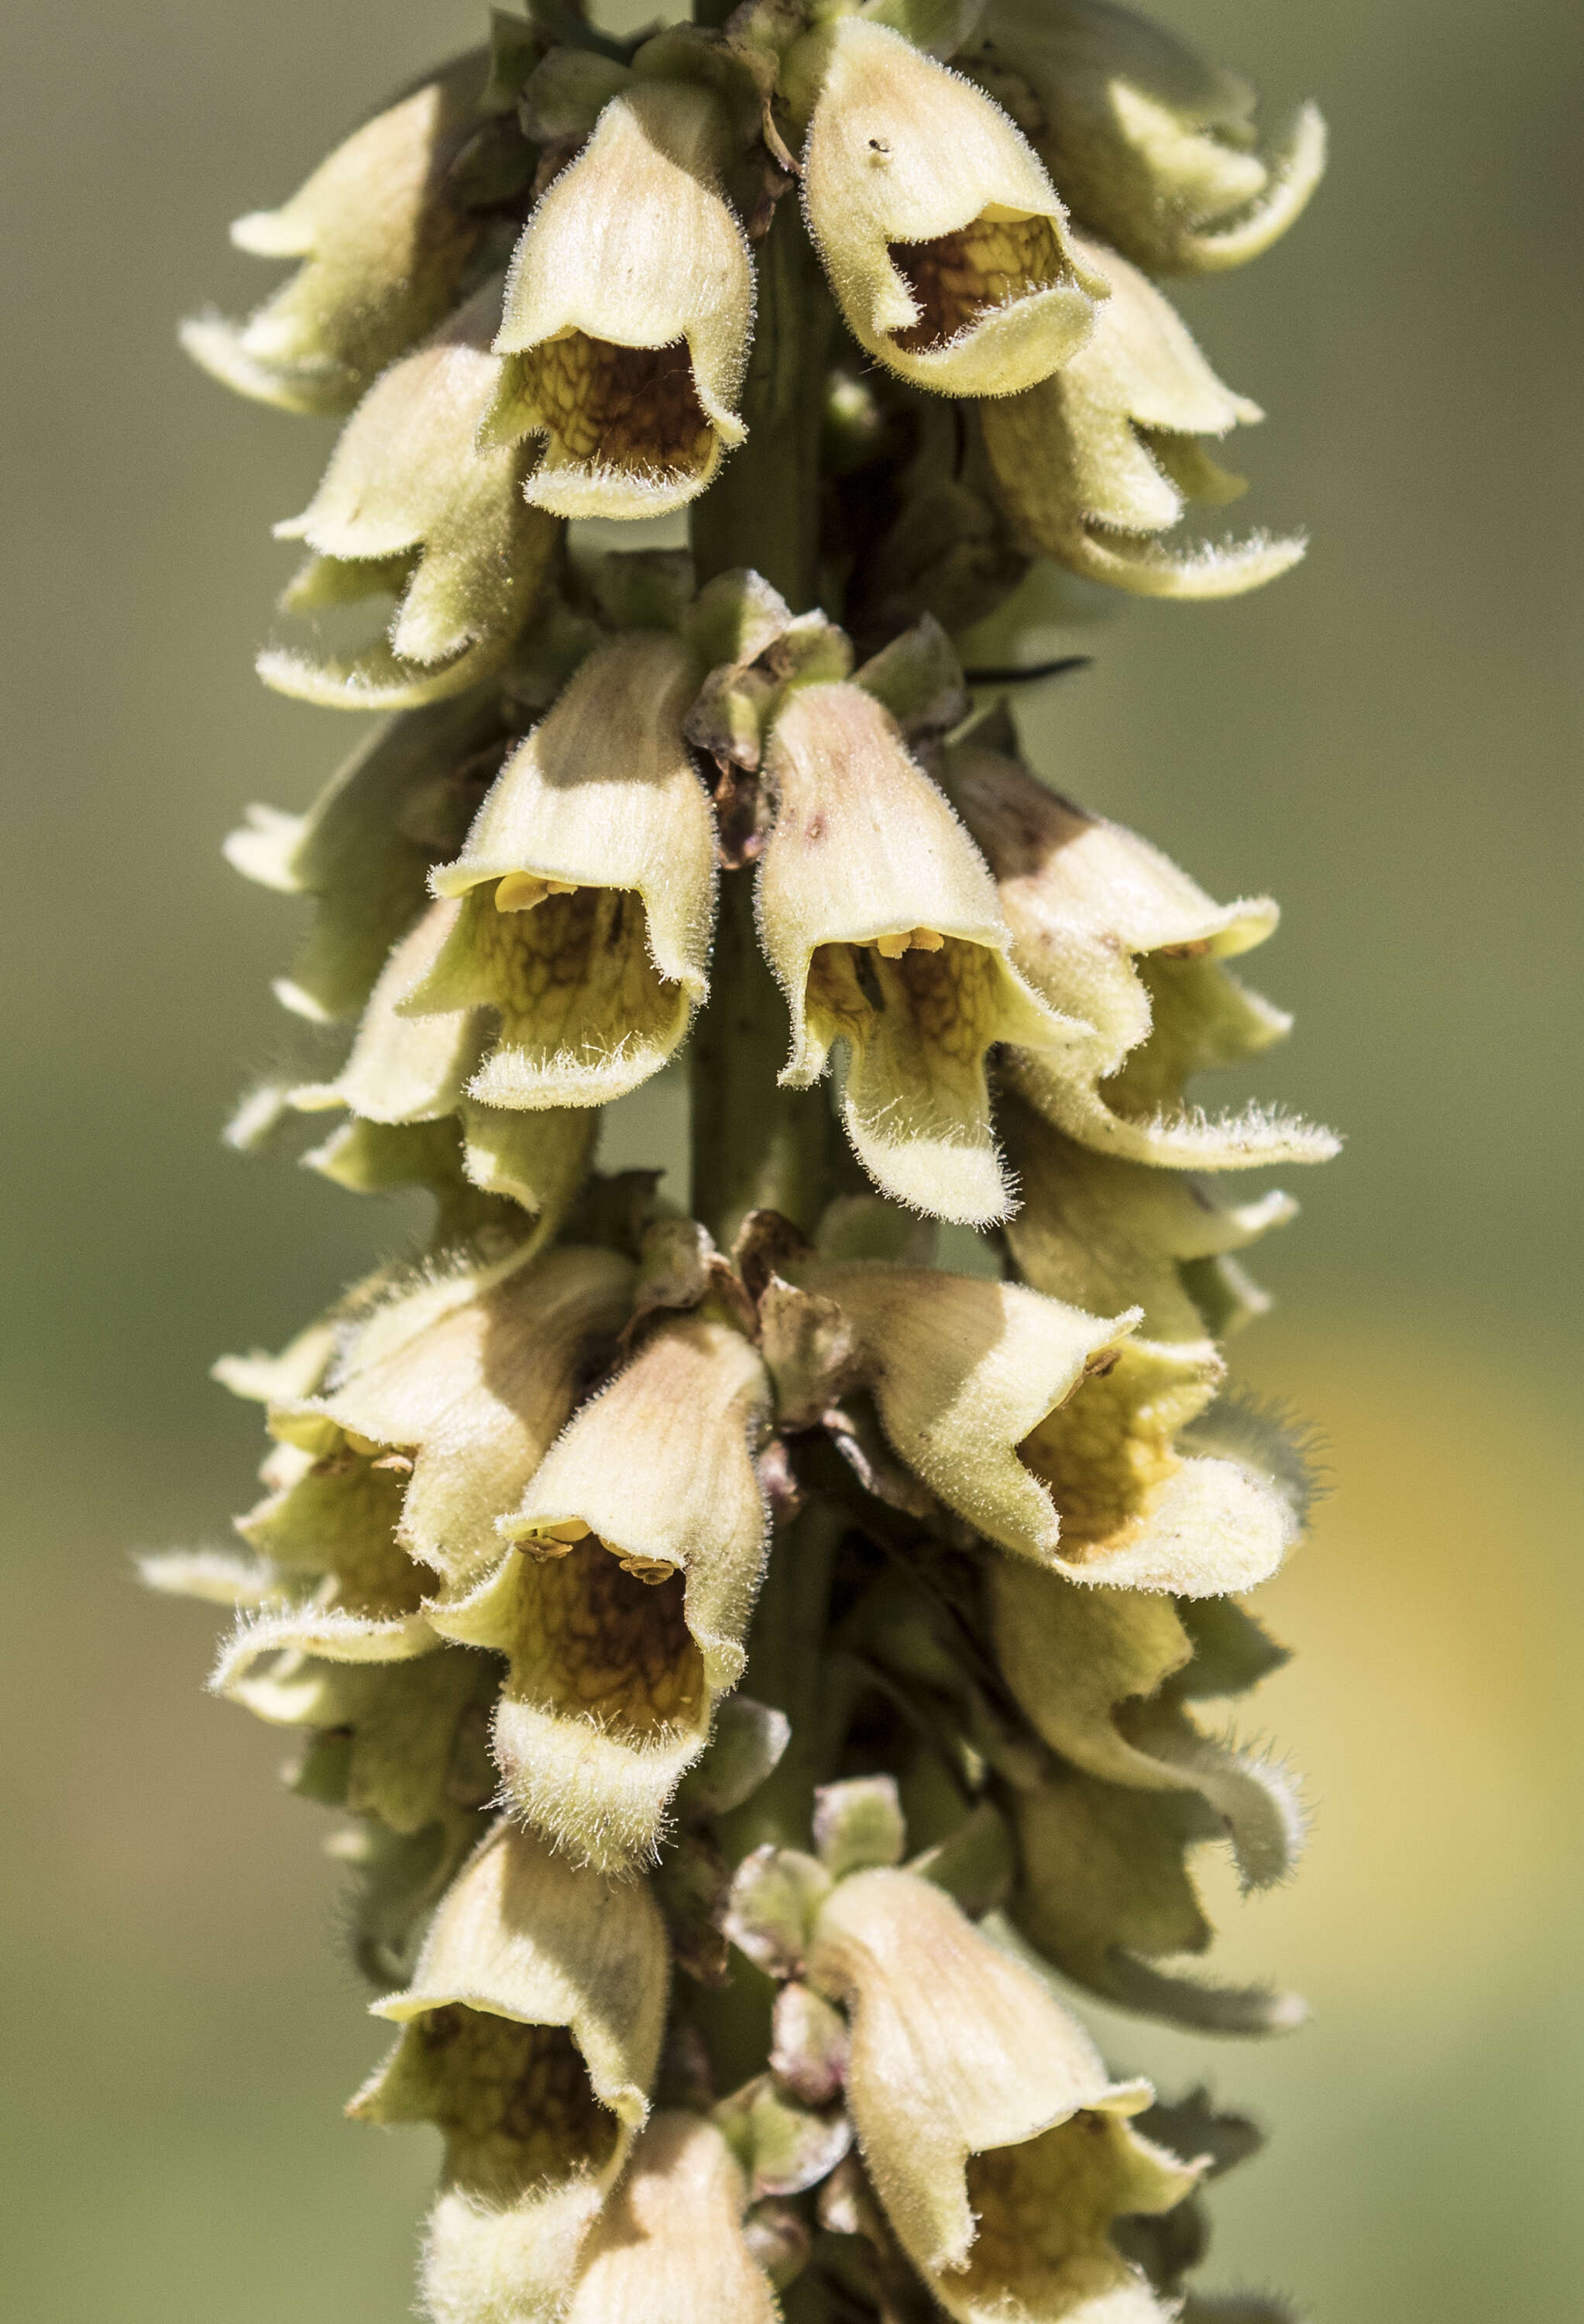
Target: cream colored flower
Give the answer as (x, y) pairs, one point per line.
(881, 922)
(1094, 464)
(411, 507)
(385, 245)
(964, 1372)
(1153, 147)
(944, 238)
(628, 314)
(995, 2139)
(670, 2247)
(531, 2035)
(1104, 1234)
(1110, 932)
(586, 890)
(623, 1606)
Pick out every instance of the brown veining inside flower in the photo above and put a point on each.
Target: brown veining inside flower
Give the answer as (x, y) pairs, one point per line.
(614, 1646)
(513, 2100)
(958, 279)
(573, 976)
(611, 406)
(940, 995)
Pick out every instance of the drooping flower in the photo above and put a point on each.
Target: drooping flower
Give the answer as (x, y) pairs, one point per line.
(530, 2035)
(623, 1600)
(586, 890)
(1153, 147)
(1095, 463)
(944, 241)
(627, 313)
(385, 243)
(411, 507)
(880, 921)
(1110, 932)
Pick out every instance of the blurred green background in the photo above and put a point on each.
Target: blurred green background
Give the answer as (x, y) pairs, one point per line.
(1385, 740)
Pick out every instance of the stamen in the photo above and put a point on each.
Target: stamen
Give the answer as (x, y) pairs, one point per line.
(520, 891)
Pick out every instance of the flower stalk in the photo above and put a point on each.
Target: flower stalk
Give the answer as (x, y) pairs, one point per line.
(763, 1667)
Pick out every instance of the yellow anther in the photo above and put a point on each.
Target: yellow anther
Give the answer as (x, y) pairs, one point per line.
(520, 891)
(651, 1569)
(564, 1529)
(892, 948)
(928, 940)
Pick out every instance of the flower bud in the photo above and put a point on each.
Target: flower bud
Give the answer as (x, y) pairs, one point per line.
(362, 851)
(587, 889)
(945, 240)
(784, 2146)
(1093, 463)
(627, 312)
(670, 2246)
(1103, 1233)
(530, 2036)
(1156, 148)
(624, 1606)
(1106, 1892)
(974, 2097)
(409, 504)
(881, 922)
(1108, 931)
(385, 244)
(962, 1371)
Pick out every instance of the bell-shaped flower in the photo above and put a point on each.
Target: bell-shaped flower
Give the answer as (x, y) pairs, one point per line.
(944, 241)
(881, 922)
(411, 506)
(627, 313)
(963, 1372)
(401, 803)
(1104, 1234)
(995, 2139)
(1155, 147)
(384, 243)
(622, 1607)
(1105, 1894)
(1109, 931)
(531, 2035)
(406, 1071)
(1095, 463)
(1097, 1671)
(586, 890)
(669, 2247)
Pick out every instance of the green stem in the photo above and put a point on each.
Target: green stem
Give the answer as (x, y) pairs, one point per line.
(755, 1145)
